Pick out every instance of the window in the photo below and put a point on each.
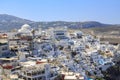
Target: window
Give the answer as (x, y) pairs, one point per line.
(4, 48)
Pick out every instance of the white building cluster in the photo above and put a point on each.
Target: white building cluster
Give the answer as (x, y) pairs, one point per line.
(54, 54)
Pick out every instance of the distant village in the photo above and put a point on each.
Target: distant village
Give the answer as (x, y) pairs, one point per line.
(54, 54)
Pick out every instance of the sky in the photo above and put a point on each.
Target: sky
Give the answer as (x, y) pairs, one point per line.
(105, 11)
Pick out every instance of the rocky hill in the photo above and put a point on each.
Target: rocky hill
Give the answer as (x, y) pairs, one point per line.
(8, 22)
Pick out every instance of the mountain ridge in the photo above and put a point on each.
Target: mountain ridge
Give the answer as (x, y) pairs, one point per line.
(9, 22)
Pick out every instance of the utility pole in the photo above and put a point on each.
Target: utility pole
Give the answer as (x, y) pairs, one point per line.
(81, 26)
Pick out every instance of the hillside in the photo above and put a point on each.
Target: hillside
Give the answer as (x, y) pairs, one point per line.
(8, 22)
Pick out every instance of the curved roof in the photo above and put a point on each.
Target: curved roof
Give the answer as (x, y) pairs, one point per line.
(25, 29)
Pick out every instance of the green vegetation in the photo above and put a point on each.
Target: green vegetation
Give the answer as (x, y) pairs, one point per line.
(99, 78)
(112, 73)
(3, 44)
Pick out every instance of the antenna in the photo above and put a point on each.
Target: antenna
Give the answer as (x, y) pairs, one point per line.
(81, 26)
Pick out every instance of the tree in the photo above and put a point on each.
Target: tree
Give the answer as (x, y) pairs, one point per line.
(112, 73)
